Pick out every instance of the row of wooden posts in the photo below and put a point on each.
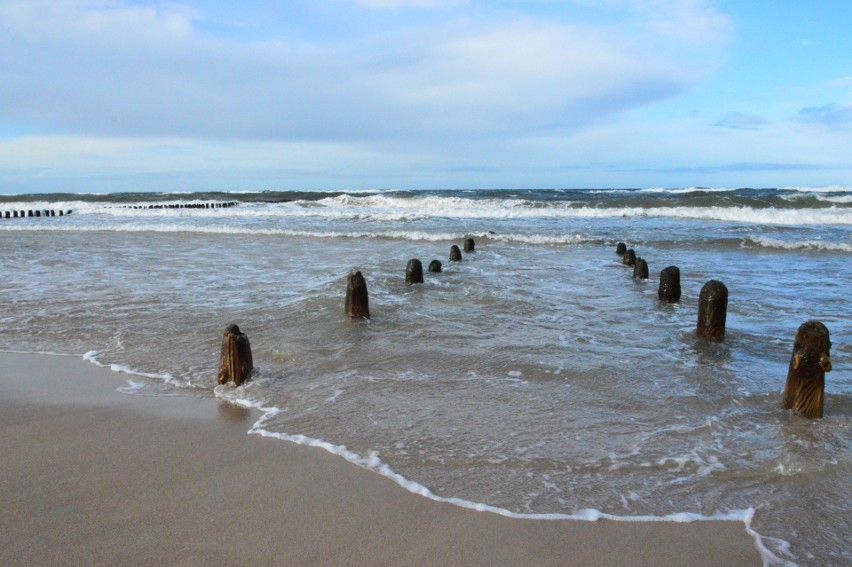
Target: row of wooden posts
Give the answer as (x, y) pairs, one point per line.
(33, 213)
(235, 360)
(60, 213)
(805, 387)
(712, 301)
(224, 205)
(803, 392)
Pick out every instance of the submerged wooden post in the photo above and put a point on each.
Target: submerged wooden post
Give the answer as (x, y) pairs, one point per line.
(620, 248)
(803, 392)
(435, 266)
(414, 272)
(629, 257)
(455, 254)
(640, 269)
(235, 363)
(357, 301)
(469, 245)
(669, 289)
(712, 310)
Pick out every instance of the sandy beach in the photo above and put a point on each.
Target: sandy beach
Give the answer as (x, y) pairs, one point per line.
(93, 476)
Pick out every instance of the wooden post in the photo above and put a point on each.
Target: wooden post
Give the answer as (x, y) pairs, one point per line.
(620, 248)
(455, 254)
(640, 269)
(803, 392)
(712, 310)
(235, 363)
(629, 257)
(357, 301)
(414, 272)
(469, 245)
(435, 266)
(669, 289)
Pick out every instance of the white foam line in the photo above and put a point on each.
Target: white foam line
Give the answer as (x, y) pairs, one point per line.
(41, 352)
(374, 464)
(92, 356)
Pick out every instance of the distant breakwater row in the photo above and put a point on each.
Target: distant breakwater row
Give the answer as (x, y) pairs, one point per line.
(224, 205)
(37, 213)
(33, 214)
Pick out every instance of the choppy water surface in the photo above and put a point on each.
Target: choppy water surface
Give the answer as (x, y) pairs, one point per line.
(534, 376)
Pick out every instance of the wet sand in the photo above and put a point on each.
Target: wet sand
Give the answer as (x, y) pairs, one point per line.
(92, 476)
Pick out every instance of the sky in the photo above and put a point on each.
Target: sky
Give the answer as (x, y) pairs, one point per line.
(192, 95)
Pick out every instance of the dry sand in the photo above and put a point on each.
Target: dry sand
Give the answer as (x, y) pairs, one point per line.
(92, 476)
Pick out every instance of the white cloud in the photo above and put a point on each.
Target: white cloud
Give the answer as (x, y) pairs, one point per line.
(115, 68)
(122, 86)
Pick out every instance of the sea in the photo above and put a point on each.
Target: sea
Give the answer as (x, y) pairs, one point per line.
(534, 378)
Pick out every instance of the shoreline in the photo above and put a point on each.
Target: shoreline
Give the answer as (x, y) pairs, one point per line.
(97, 476)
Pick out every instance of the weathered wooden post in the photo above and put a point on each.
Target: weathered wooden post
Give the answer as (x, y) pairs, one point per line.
(235, 363)
(455, 254)
(414, 272)
(629, 258)
(712, 310)
(357, 301)
(803, 392)
(620, 248)
(640, 269)
(469, 245)
(669, 289)
(435, 266)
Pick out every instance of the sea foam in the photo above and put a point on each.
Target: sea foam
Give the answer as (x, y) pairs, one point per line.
(373, 463)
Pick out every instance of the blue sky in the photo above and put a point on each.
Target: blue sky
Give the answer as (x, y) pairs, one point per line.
(119, 95)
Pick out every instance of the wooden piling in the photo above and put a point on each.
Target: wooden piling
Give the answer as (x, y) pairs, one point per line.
(620, 248)
(235, 362)
(640, 269)
(414, 272)
(469, 245)
(805, 387)
(435, 266)
(357, 301)
(455, 254)
(712, 310)
(669, 289)
(629, 258)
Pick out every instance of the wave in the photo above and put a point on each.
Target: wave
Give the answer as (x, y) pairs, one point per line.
(395, 210)
(690, 190)
(764, 242)
(835, 199)
(824, 189)
(413, 235)
(765, 207)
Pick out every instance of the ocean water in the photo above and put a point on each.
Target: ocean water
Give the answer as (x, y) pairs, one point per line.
(535, 377)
